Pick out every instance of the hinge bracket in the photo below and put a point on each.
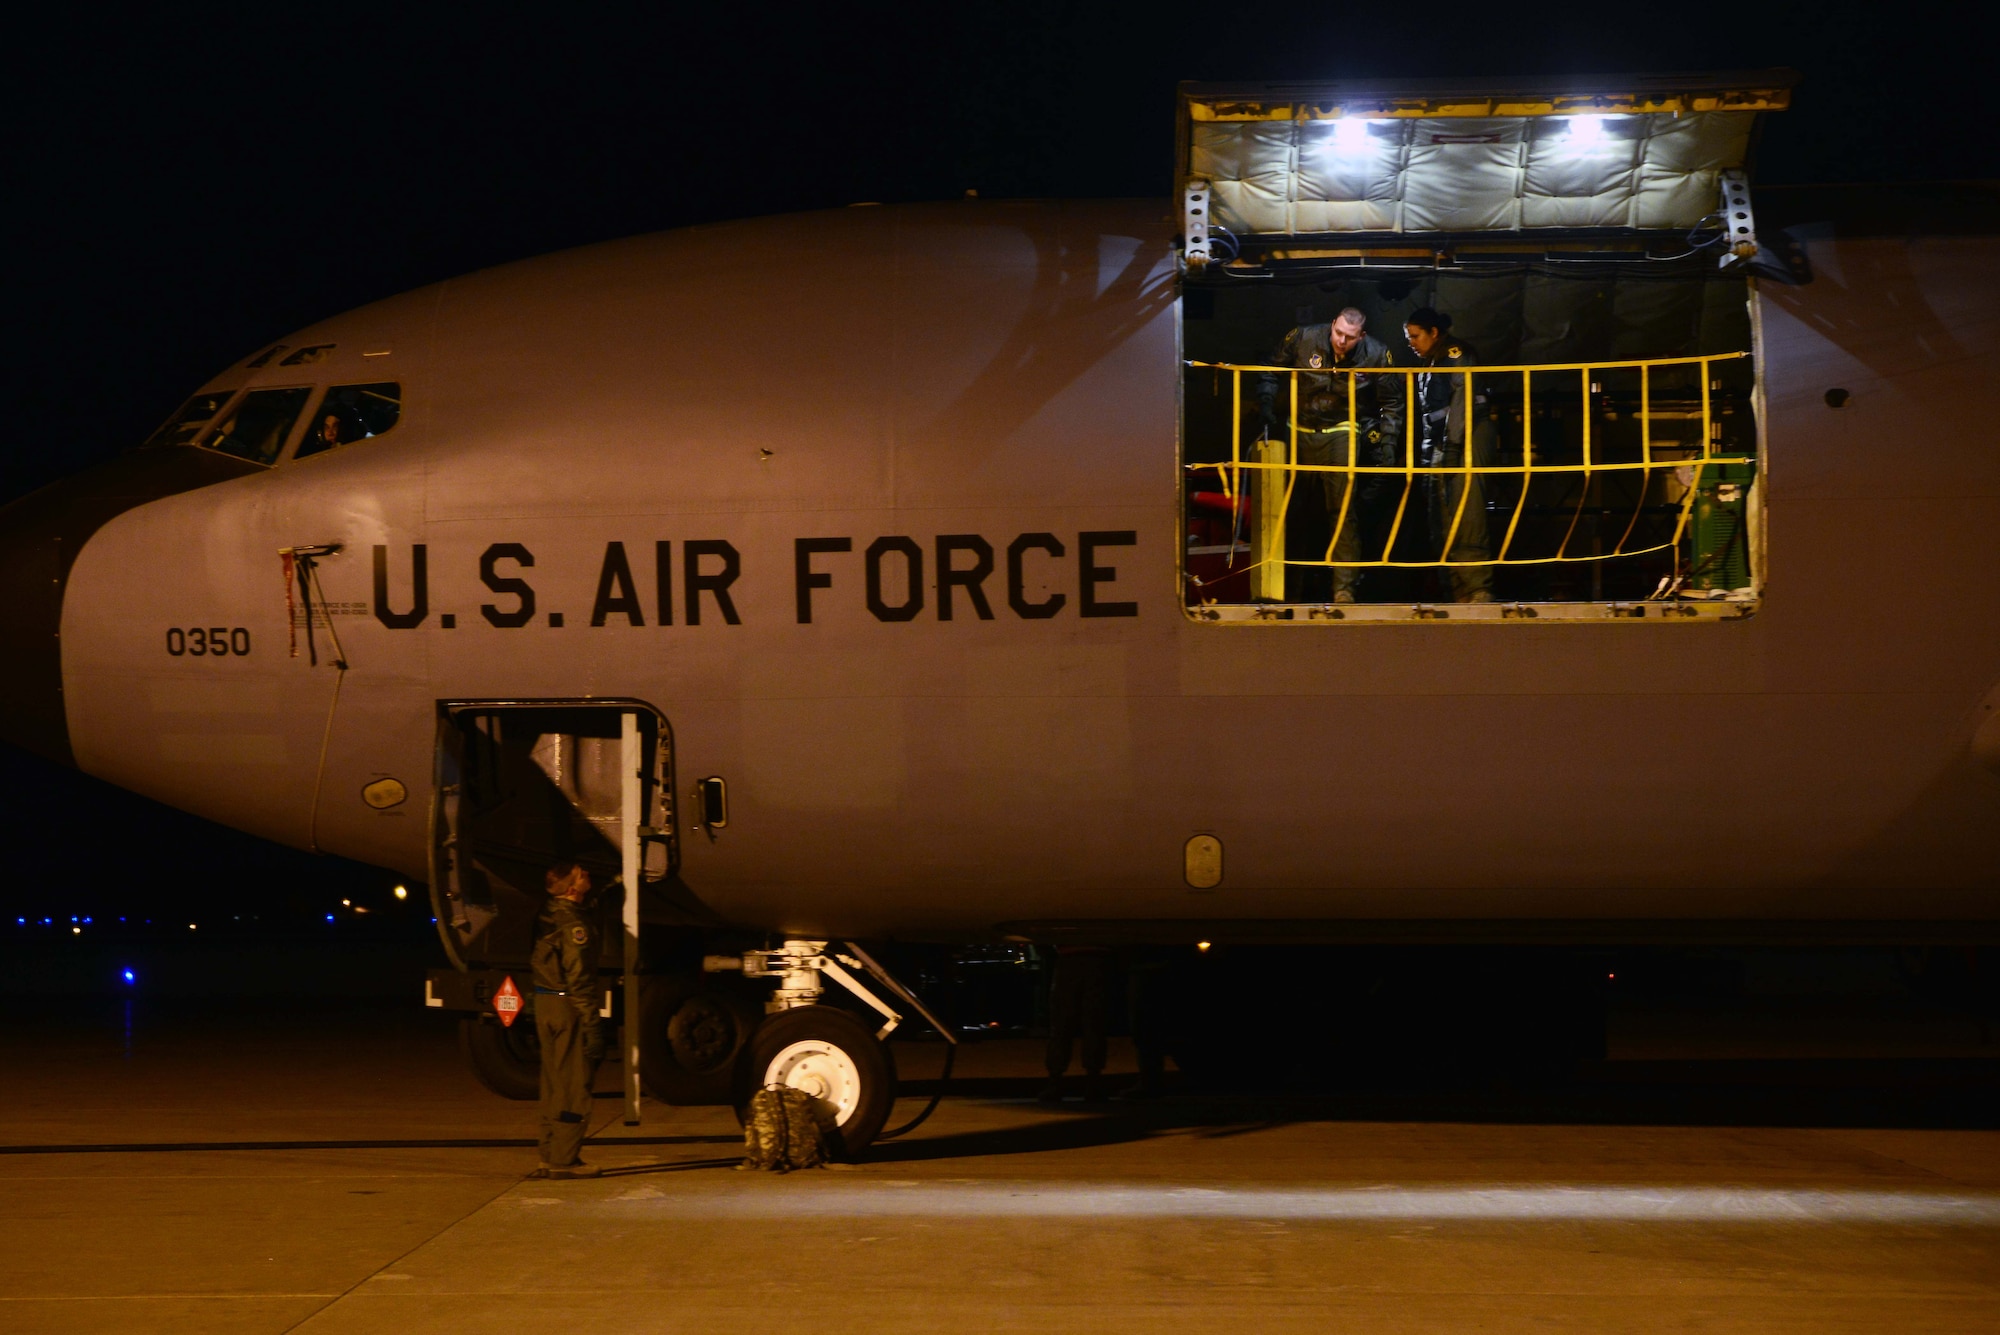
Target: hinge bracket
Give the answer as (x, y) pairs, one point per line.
(1196, 198)
(1739, 222)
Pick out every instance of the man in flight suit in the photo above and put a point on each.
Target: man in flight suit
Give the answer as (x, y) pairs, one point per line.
(566, 994)
(1326, 435)
(1446, 423)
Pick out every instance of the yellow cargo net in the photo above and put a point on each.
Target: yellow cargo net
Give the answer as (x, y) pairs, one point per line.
(1271, 465)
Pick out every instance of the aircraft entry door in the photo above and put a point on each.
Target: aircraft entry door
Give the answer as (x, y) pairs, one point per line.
(522, 785)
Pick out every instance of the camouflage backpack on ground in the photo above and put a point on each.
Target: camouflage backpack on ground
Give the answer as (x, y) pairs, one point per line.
(783, 1131)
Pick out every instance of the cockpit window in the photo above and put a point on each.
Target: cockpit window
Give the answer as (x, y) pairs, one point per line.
(257, 427)
(318, 352)
(350, 413)
(185, 425)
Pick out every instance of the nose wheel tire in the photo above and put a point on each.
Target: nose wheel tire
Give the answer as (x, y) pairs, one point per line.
(836, 1059)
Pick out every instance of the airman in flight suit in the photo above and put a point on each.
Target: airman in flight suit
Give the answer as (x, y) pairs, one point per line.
(1447, 425)
(1326, 436)
(565, 974)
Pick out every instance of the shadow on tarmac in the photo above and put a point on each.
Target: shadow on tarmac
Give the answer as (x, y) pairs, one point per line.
(1916, 1093)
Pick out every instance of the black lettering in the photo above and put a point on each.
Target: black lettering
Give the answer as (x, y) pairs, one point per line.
(969, 580)
(808, 579)
(218, 638)
(1090, 574)
(913, 561)
(615, 590)
(663, 571)
(519, 588)
(698, 583)
(239, 642)
(1017, 595)
(420, 596)
(177, 642)
(198, 642)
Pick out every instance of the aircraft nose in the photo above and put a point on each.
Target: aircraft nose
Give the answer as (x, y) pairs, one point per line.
(40, 536)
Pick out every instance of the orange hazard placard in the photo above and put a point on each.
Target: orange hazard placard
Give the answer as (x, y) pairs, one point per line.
(507, 1001)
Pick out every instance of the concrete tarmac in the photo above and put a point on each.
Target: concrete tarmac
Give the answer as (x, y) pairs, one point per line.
(336, 1169)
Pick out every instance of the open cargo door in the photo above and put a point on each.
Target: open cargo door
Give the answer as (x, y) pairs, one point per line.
(521, 785)
(1594, 447)
(1290, 167)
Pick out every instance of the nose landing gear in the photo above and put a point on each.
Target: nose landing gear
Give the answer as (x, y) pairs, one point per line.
(827, 1052)
(831, 1056)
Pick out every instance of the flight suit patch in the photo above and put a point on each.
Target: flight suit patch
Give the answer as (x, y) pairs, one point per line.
(1454, 353)
(579, 935)
(1313, 361)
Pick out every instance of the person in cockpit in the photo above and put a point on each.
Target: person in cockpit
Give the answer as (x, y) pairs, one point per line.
(326, 433)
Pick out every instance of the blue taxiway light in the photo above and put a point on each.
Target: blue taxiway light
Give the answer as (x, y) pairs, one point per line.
(130, 977)
(329, 917)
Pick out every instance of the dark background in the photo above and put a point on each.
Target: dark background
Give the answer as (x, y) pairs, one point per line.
(184, 186)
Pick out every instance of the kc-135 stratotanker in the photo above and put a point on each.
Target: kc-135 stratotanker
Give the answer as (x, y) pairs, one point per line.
(934, 573)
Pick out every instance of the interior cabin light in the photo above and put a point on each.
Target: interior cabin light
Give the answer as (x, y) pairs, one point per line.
(1350, 136)
(402, 892)
(1586, 131)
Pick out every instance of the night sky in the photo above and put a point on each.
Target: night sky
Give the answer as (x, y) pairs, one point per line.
(187, 185)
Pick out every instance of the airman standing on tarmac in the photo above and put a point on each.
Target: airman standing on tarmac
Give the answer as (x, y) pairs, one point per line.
(566, 1021)
(1079, 1007)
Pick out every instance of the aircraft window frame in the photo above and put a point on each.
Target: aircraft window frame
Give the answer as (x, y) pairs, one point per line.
(310, 446)
(162, 435)
(284, 442)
